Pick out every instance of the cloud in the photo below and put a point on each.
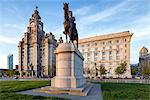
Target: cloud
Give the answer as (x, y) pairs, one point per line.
(8, 40)
(82, 11)
(104, 14)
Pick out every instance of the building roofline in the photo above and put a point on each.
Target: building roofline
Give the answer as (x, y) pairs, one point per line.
(107, 36)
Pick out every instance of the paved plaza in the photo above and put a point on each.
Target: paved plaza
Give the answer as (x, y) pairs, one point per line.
(94, 94)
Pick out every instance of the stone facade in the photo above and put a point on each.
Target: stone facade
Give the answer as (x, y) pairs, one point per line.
(107, 50)
(36, 49)
(144, 60)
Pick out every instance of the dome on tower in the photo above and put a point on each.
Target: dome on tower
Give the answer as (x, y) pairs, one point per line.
(143, 51)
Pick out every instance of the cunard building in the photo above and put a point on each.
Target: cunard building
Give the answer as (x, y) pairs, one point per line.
(107, 50)
(36, 50)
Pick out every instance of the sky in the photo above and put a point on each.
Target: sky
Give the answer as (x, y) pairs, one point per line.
(93, 18)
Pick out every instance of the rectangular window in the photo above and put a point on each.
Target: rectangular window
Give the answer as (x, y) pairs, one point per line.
(103, 48)
(103, 43)
(117, 46)
(125, 40)
(117, 57)
(103, 58)
(103, 53)
(117, 41)
(117, 52)
(95, 59)
(95, 44)
(110, 47)
(125, 45)
(110, 57)
(125, 57)
(110, 52)
(110, 63)
(95, 52)
(125, 51)
(109, 42)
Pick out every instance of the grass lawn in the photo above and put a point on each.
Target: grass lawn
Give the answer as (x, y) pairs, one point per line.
(8, 89)
(125, 91)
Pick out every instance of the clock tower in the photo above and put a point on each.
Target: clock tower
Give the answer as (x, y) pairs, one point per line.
(36, 48)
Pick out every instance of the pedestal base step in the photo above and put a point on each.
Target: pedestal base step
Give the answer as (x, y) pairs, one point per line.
(82, 91)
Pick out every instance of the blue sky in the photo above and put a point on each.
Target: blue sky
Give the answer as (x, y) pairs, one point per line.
(93, 17)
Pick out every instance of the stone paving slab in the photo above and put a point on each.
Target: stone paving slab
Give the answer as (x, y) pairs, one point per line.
(94, 94)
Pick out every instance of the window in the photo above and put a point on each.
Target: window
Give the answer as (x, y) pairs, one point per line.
(110, 47)
(125, 45)
(103, 53)
(95, 44)
(117, 57)
(95, 52)
(125, 40)
(110, 52)
(88, 54)
(117, 52)
(103, 58)
(117, 46)
(109, 42)
(88, 60)
(95, 59)
(117, 41)
(103, 43)
(110, 63)
(125, 57)
(125, 51)
(103, 48)
(110, 57)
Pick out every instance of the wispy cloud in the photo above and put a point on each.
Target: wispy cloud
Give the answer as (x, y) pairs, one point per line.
(82, 11)
(8, 40)
(104, 14)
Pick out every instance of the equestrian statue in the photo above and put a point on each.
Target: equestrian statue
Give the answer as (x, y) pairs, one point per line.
(70, 25)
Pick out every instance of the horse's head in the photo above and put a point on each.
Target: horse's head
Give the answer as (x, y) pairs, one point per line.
(66, 6)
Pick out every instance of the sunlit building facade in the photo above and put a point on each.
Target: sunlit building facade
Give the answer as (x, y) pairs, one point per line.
(107, 50)
(36, 49)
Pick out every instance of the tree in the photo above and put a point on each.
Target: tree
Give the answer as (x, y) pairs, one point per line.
(10, 73)
(23, 73)
(134, 70)
(121, 69)
(102, 70)
(16, 73)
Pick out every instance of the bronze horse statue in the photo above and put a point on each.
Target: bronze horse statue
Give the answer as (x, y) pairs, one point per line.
(70, 25)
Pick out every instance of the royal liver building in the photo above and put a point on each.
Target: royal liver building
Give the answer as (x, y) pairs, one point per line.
(36, 50)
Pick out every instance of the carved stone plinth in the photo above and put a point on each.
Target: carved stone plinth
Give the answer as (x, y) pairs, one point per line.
(69, 67)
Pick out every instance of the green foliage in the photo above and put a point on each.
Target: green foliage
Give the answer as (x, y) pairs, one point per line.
(10, 73)
(102, 70)
(134, 70)
(121, 69)
(23, 73)
(8, 89)
(16, 73)
(125, 91)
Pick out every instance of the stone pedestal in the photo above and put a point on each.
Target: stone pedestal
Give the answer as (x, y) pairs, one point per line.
(69, 67)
